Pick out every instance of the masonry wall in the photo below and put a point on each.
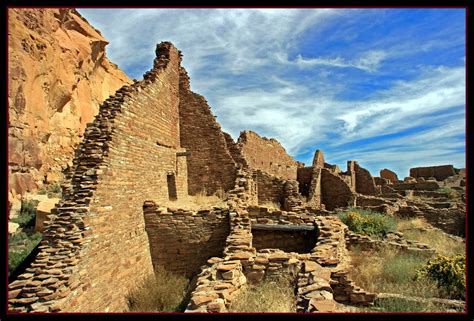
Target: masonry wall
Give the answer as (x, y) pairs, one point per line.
(201, 236)
(269, 188)
(95, 246)
(210, 165)
(304, 176)
(365, 183)
(438, 172)
(267, 155)
(335, 192)
(294, 241)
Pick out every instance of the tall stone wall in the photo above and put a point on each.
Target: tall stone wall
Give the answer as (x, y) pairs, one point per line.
(365, 183)
(269, 188)
(335, 192)
(210, 165)
(201, 236)
(439, 172)
(95, 248)
(267, 155)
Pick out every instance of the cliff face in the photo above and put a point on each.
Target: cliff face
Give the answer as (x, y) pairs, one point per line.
(58, 76)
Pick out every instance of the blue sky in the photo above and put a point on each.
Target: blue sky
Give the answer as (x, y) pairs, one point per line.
(385, 87)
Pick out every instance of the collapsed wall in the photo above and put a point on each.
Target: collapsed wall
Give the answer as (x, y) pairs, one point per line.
(210, 164)
(95, 248)
(267, 155)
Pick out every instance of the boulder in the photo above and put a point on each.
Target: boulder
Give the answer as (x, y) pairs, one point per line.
(42, 211)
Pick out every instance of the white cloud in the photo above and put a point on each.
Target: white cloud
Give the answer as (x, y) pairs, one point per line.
(249, 65)
(369, 61)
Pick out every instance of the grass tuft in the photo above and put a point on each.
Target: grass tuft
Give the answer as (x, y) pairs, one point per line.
(419, 230)
(266, 296)
(388, 271)
(161, 292)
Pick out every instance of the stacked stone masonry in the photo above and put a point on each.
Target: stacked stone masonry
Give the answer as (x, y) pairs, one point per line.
(267, 155)
(439, 172)
(125, 158)
(202, 235)
(211, 166)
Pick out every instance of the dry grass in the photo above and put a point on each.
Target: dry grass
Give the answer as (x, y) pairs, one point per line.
(388, 271)
(199, 201)
(162, 292)
(266, 296)
(419, 230)
(271, 205)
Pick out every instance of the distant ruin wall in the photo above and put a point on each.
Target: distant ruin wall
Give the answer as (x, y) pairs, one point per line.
(335, 192)
(438, 172)
(269, 188)
(201, 235)
(210, 165)
(388, 174)
(95, 248)
(267, 155)
(365, 183)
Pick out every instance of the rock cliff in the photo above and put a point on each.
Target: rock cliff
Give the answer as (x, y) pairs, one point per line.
(58, 76)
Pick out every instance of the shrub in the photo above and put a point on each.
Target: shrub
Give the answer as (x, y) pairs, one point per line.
(368, 222)
(450, 193)
(27, 215)
(52, 190)
(449, 272)
(20, 246)
(388, 270)
(162, 292)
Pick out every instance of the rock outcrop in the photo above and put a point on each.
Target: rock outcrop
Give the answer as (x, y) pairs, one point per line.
(58, 75)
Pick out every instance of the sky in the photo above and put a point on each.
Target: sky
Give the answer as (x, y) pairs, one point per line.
(385, 87)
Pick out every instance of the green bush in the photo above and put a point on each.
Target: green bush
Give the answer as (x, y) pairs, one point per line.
(27, 215)
(368, 222)
(450, 193)
(52, 190)
(449, 272)
(20, 246)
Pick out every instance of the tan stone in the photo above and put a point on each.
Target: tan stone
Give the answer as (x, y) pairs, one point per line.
(42, 211)
(322, 305)
(198, 300)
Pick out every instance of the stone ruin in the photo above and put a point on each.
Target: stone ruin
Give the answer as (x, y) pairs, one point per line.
(156, 140)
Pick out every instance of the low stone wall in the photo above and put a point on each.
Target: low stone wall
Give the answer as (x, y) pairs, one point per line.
(244, 192)
(393, 240)
(422, 186)
(222, 278)
(181, 240)
(288, 241)
(345, 290)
